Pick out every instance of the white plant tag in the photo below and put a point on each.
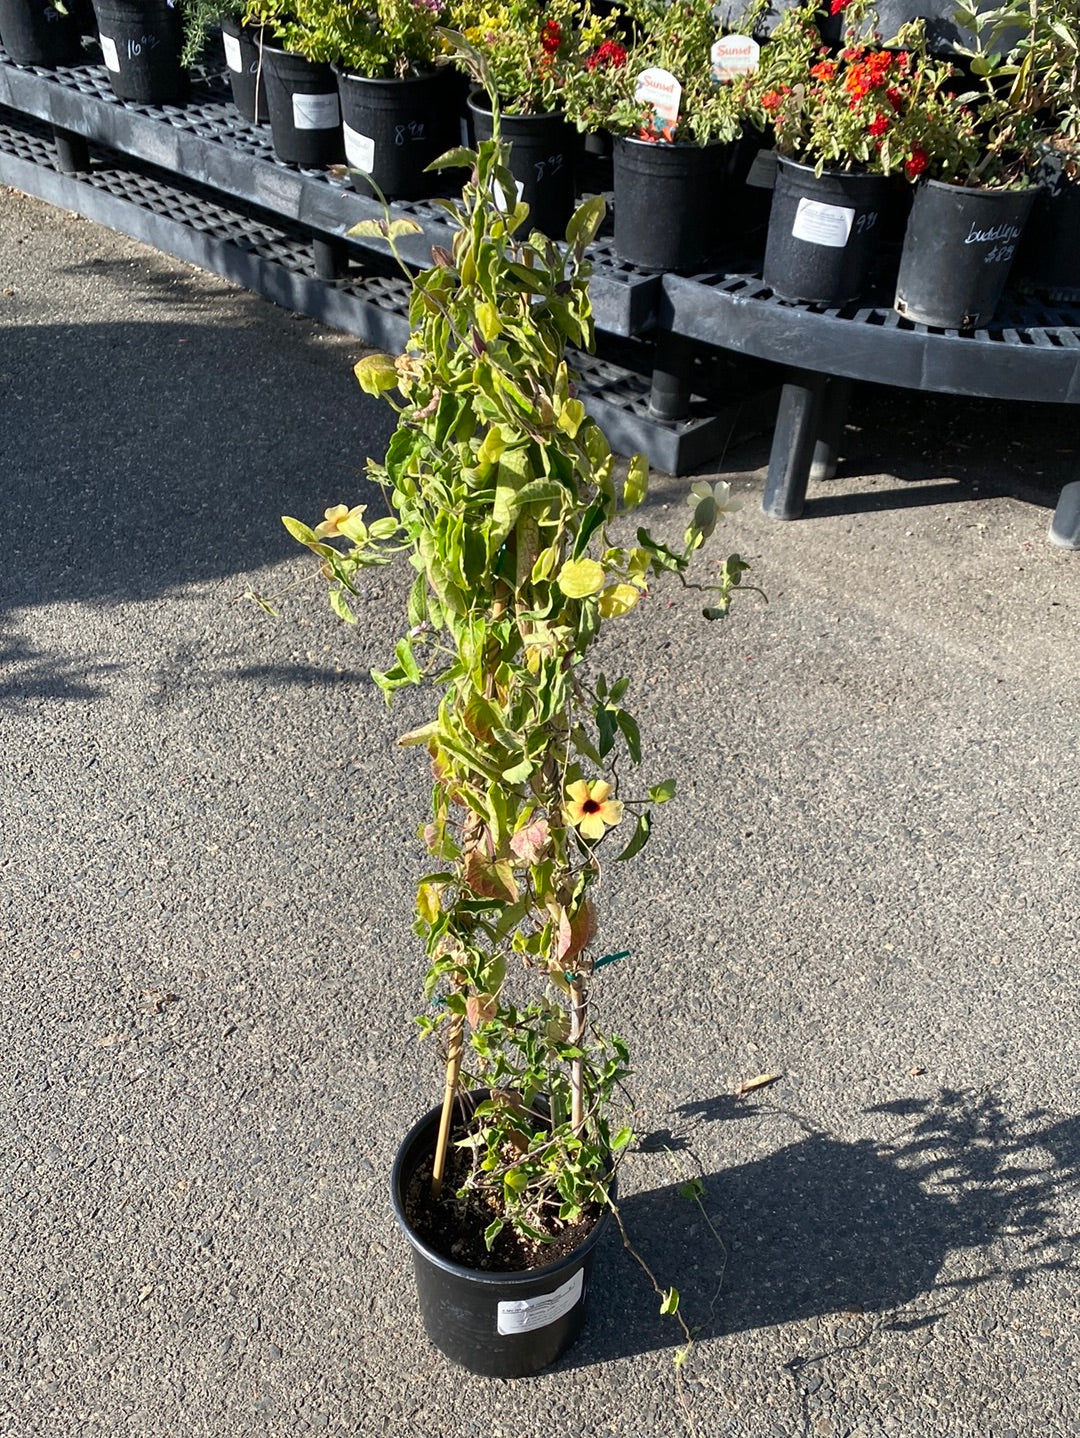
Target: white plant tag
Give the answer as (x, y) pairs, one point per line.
(359, 149)
(464, 124)
(734, 55)
(762, 172)
(820, 224)
(232, 54)
(315, 112)
(660, 90)
(108, 53)
(526, 1314)
(500, 195)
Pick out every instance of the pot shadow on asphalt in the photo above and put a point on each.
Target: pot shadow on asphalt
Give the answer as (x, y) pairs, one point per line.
(143, 456)
(823, 1226)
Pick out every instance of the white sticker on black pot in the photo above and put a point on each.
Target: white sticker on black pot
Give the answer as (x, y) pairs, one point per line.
(359, 150)
(821, 224)
(762, 172)
(109, 53)
(316, 112)
(525, 1314)
(232, 54)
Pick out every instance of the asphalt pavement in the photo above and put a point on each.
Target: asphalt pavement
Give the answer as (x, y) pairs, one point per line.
(868, 886)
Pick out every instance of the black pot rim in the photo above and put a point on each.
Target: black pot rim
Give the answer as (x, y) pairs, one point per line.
(983, 192)
(672, 144)
(479, 100)
(436, 72)
(808, 169)
(523, 1277)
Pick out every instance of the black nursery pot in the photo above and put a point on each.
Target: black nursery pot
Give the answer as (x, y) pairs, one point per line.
(823, 233)
(141, 42)
(957, 253)
(395, 128)
(33, 32)
(668, 202)
(305, 112)
(1049, 257)
(243, 57)
(498, 1325)
(542, 151)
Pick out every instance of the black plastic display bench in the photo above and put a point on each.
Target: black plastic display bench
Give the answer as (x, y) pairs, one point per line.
(1030, 352)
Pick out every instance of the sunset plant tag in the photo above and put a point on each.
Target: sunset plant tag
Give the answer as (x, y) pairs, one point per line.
(109, 53)
(527, 1314)
(660, 90)
(359, 149)
(233, 58)
(818, 224)
(316, 112)
(734, 55)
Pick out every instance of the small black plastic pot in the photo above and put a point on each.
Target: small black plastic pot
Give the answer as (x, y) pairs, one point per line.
(243, 59)
(957, 253)
(305, 112)
(1048, 261)
(141, 43)
(669, 201)
(395, 128)
(498, 1325)
(34, 32)
(542, 154)
(823, 233)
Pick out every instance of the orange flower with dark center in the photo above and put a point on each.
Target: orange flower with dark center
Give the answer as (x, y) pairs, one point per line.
(590, 809)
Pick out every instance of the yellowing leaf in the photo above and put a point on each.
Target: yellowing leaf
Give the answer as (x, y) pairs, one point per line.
(579, 578)
(428, 905)
(376, 373)
(618, 599)
(487, 318)
(759, 1081)
(571, 417)
(637, 482)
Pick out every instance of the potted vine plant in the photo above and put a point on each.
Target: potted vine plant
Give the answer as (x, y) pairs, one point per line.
(527, 58)
(678, 129)
(501, 492)
(294, 62)
(973, 196)
(844, 121)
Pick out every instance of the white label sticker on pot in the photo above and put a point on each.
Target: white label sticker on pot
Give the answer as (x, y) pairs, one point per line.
(762, 172)
(526, 1314)
(734, 55)
(464, 125)
(232, 54)
(315, 112)
(500, 195)
(109, 55)
(359, 149)
(820, 224)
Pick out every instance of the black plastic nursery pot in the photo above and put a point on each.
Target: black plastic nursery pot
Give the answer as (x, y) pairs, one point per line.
(34, 32)
(305, 112)
(1049, 257)
(141, 42)
(668, 202)
(243, 59)
(542, 151)
(497, 1325)
(395, 128)
(823, 233)
(957, 253)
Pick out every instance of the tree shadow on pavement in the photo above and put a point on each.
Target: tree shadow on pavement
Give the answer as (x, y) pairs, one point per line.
(823, 1226)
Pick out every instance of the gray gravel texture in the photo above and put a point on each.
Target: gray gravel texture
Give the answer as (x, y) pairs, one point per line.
(868, 885)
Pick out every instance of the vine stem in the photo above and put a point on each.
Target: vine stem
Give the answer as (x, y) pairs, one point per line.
(453, 1069)
(577, 1066)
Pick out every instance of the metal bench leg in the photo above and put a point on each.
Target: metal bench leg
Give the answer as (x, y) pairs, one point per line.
(669, 397)
(798, 423)
(834, 409)
(331, 259)
(1065, 526)
(72, 151)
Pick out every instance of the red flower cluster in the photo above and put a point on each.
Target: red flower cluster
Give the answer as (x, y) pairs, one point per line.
(551, 37)
(914, 167)
(609, 56)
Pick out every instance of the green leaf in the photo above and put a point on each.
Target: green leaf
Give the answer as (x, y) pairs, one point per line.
(457, 159)
(628, 726)
(493, 1230)
(376, 373)
(339, 605)
(692, 1189)
(621, 1139)
(637, 482)
(640, 837)
(578, 578)
(585, 221)
(671, 1301)
(299, 530)
(662, 792)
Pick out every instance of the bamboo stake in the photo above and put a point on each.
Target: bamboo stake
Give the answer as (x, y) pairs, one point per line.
(577, 1035)
(453, 1069)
